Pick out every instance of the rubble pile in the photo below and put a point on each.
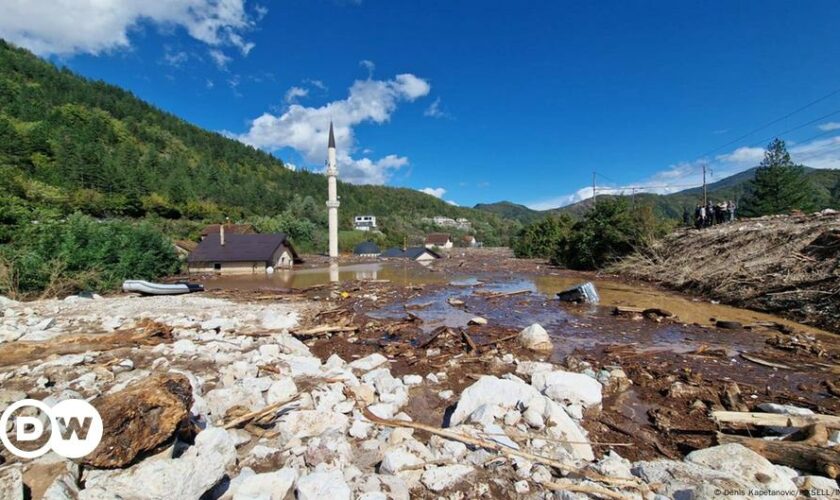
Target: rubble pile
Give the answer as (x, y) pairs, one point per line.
(233, 405)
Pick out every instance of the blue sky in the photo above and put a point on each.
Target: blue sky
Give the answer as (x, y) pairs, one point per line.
(473, 101)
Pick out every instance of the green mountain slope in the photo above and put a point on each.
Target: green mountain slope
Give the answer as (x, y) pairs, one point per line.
(69, 144)
(671, 205)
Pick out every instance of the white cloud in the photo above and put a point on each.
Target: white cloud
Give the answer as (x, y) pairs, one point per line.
(436, 192)
(294, 93)
(750, 155)
(820, 153)
(175, 59)
(67, 27)
(304, 129)
(219, 58)
(435, 110)
(829, 126)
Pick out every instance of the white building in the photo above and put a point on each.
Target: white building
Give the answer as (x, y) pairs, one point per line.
(364, 222)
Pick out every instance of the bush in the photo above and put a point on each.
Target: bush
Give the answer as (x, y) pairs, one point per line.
(541, 239)
(82, 253)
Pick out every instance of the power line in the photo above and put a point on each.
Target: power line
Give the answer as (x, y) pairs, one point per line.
(772, 122)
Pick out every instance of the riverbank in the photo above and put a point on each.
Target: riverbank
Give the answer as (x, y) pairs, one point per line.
(785, 265)
(420, 384)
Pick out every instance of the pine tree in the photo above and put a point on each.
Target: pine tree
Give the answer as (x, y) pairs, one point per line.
(780, 185)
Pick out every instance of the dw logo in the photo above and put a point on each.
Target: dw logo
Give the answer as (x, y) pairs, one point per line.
(75, 428)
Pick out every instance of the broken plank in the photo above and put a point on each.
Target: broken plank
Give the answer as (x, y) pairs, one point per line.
(775, 419)
(320, 330)
(764, 362)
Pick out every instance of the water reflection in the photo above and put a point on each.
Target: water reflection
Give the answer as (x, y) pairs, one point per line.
(403, 274)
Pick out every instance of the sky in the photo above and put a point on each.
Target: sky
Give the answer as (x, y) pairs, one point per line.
(474, 102)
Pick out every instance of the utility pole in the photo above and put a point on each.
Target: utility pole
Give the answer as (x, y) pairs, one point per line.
(705, 198)
(594, 191)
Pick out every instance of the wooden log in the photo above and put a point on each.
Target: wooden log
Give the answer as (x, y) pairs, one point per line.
(764, 362)
(801, 455)
(321, 330)
(775, 419)
(469, 341)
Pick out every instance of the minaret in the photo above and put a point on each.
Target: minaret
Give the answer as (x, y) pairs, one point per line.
(332, 191)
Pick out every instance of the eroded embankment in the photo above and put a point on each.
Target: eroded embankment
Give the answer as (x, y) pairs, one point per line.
(786, 265)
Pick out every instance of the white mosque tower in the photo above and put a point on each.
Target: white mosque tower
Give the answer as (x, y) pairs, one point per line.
(332, 200)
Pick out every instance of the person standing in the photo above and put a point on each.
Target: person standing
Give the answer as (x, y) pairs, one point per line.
(731, 210)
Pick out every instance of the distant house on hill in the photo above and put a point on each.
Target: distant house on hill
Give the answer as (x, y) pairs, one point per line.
(469, 241)
(229, 229)
(439, 240)
(242, 253)
(367, 249)
(364, 222)
(420, 254)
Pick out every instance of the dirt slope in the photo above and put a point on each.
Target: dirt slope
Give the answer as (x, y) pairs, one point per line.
(787, 265)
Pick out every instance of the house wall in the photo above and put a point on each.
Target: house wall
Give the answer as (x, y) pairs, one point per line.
(246, 267)
(425, 257)
(282, 258)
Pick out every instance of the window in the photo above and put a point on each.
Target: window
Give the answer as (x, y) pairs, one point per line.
(217, 266)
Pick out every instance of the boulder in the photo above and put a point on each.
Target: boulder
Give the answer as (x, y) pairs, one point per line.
(741, 461)
(440, 478)
(140, 418)
(278, 320)
(688, 480)
(535, 338)
(397, 459)
(219, 401)
(190, 476)
(564, 386)
(281, 390)
(562, 428)
(489, 390)
(319, 485)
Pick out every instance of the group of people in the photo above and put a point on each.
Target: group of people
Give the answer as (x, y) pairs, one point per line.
(711, 214)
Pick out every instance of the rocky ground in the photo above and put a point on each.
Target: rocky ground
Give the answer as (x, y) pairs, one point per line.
(368, 389)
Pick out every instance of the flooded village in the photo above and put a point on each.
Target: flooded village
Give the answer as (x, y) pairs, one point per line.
(427, 372)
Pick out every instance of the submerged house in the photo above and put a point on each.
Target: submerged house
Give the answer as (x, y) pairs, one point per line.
(367, 249)
(242, 253)
(420, 254)
(439, 240)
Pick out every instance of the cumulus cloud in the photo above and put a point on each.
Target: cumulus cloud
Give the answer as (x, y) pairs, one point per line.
(436, 192)
(829, 126)
(304, 128)
(66, 27)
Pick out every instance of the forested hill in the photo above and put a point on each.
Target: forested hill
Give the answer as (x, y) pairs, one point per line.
(825, 184)
(69, 144)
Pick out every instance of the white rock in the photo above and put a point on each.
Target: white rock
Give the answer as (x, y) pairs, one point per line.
(494, 432)
(310, 423)
(279, 320)
(220, 324)
(562, 428)
(412, 380)
(486, 414)
(564, 386)
(440, 478)
(281, 390)
(489, 390)
(183, 347)
(360, 429)
(291, 345)
(11, 481)
(189, 476)
(738, 460)
(220, 400)
(9, 333)
(322, 485)
(397, 459)
(820, 486)
(521, 487)
(478, 320)
(613, 465)
(534, 418)
(368, 363)
(535, 338)
(302, 366)
(267, 486)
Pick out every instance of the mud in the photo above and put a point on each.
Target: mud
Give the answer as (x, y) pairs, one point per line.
(679, 366)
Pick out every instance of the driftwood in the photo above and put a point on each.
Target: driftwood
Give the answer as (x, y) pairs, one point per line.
(806, 455)
(470, 342)
(256, 415)
(591, 489)
(505, 450)
(496, 295)
(432, 336)
(775, 419)
(321, 330)
(764, 362)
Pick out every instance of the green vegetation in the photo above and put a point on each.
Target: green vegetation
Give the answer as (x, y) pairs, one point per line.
(71, 145)
(81, 253)
(779, 186)
(610, 230)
